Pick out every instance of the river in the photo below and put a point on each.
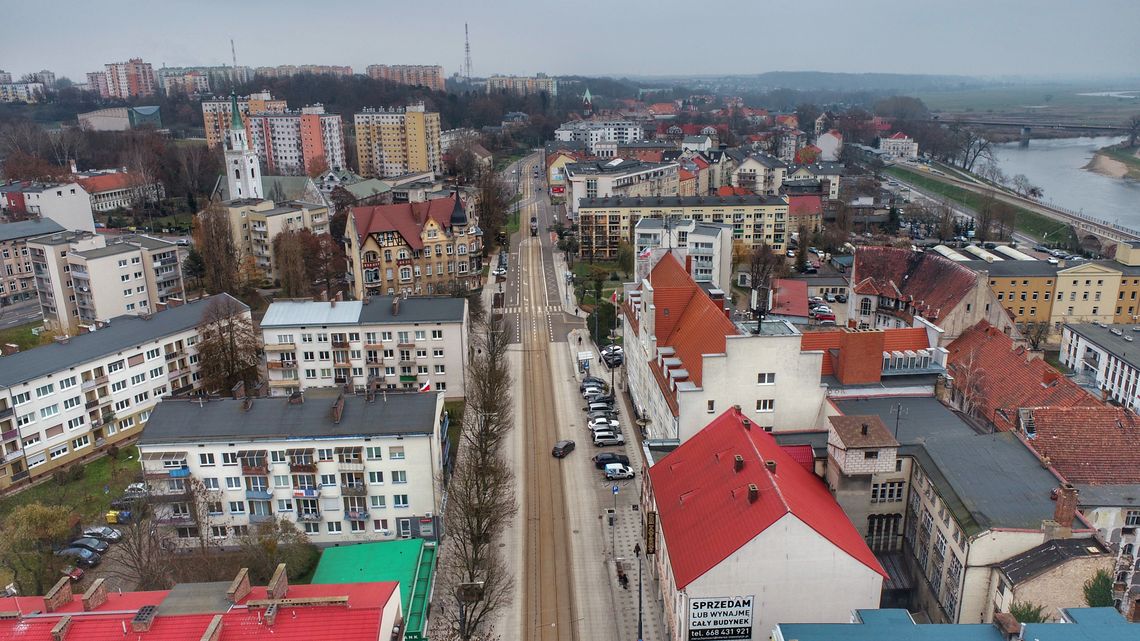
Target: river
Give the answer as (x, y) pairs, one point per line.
(1056, 165)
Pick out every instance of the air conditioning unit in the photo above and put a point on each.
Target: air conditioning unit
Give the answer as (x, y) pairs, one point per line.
(427, 515)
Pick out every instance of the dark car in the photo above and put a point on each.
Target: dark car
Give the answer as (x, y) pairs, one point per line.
(82, 556)
(841, 298)
(90, 543)
(592, 381)
(562, 448)
(103, 533)
(601, 460)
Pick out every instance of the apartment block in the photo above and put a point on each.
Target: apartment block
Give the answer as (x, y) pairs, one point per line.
(379, 343)
(397, 141)
(111, 189)
(188, 84)
(618, 177)
(704, 248)
(523, 85)
(592, 132)
(296, 142)
(65, 402)
(17, 280)
(254, 224)
(21, 92)
(430, 76)
(1099, 353)
(81, 278)
(68, 204)
(604, 223)
(217, 115)
(344, 469)
(131, 79)
(287, 71)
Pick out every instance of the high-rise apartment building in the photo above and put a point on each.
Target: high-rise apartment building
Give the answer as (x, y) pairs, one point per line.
(523, 85)
(129, 79)
(296, 142)
(218, 114)
(396, 141)
(286, 71)
(430, 76)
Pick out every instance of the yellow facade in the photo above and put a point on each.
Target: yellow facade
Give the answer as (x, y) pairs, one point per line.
(1028, 298)
(398, 141)
(1085, 293)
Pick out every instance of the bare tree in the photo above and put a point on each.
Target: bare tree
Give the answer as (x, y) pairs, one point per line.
(143, 551)
(229, 347)
(274, 542)
(1133, 125)
(66, 144)
(215, 241)
(764, 265)
(971, 147)
(192, 162)
(1036, 332)
(970, 382)
(290, 257)
(945, 221)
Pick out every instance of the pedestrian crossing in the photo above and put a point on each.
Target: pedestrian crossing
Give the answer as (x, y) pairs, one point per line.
(517, 309)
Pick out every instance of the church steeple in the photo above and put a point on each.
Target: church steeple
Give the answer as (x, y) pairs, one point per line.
(243, 172)
(587, 103)
(237, 133)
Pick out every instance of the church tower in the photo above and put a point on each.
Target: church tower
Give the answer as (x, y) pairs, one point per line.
(243, 173)
(587, 104)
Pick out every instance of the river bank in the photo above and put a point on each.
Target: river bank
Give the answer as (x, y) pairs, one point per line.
(1115, 162)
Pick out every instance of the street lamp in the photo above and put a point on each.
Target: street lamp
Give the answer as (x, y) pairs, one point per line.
(637, 553)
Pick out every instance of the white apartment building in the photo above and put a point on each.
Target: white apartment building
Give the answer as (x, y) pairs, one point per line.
(17, 282)
(704, 248)
(344, 469)
(379, 343)
(21, 92)
(523, 85)
(899, 145)
(618, 177)
(1100, 354)
(254, 224)
(63, 403)
(66, 203)
(291, 142)
(591, 132)
(82, 279)
(761, 173)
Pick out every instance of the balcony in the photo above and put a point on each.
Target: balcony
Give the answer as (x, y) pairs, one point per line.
(376, 346)
(306, 492)
(170, 356)
(340, 344)
(94, 382)
(280, 347)
(303, 468)
(180, 473)
(19, 476)
(350, 466)
(356, 515)
(9, 434)
(173, 519)
(254, 469)
(11, 456)
(6, 412)
(309, 517)
(167, 495)
(353, 489)
(91, 404)
(282, 382)
(282, 364)
(175, 373)
(260, 518)
(406, 345)
(258, 495)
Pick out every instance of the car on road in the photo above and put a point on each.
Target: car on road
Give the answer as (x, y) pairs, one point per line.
(103, 533)
(602, 439)
(562, 448)
(81, 556)
(91, 543)
(791, 253)
(605, 458)
(618, 471)
(499, 271)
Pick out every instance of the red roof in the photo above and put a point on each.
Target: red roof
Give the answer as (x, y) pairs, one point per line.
(999, 379)
(663, 108)
(802, 454)
(360, 620)
(700, 161)
(407, 219)
(931, 284)
(685, 174)
(894, 340)
(805, 205)
(697, 485)
(789, 297)
(1093, 445)
(898, 135)
(105, 182)
(728, 190)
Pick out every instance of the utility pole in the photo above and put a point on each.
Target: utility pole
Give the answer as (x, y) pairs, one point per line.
(233, 52)
(467, 53)
(637, 552)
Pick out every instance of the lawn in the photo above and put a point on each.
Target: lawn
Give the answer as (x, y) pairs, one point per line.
(1027, 222)
(455, 416)
(90, 496)
(22, 335)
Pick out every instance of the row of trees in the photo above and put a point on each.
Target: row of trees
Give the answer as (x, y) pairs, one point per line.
(473, 580)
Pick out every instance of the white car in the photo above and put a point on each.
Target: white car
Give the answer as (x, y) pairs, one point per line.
(604, 424)
(499, 271)
(618, 471)
(602, 439)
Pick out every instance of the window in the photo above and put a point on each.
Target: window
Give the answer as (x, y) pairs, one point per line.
(1132, 517)
(74, 401)
(711, 406)
(233, 482)
(766, 378)
(399, 476)
(421, 335)
(156, 372)
(873, 454)
(324, 454)
(284, 505)
(437, 353)
(57, 451)
(333, 527)
(206, 459)
(865, 307)
(138, 378)
(77, 422)
(766, 405)
(123, 404)
(153, 353)
(373, 453)
(281, 480)
(396, 453)
(328, 479)
(889, 492)
(49, 411)
(439, 369)
(211, 483)
(81, 442)
(277, 456)
(141, 397)
(437, 334)
(21, 398)
(378, 502)
(229, 458)
(399, 500)
(375, 478)
(45, 390)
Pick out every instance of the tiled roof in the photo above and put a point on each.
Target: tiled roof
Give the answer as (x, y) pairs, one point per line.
(729, 190)
(805, 205)
(1001, 379)
(898, 135)
(900, 339)
(697, 485)
(105, 182)
(1092, 445)
(789, 297)
(932, 284)
(407, 219)
(862, 431)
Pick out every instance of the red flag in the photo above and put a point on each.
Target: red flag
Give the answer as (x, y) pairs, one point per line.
(613, 299)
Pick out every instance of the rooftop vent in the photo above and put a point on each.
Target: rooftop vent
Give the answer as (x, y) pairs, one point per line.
(738, 463)
(771, 465)
(144, 618)
(753, 493)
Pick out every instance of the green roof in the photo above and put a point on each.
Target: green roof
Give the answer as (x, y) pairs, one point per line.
(235, 121)
(369, 562)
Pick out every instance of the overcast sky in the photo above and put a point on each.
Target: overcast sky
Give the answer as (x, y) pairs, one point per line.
(592, 37)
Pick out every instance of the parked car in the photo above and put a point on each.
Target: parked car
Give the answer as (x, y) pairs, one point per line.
(822, 310)
(598, 398)
(604, 424)
(82, 557)
(602, 407)
(817, 300)
(592, 381)
(829, 297)
(791, 253)
(612, 349)
(593, 391)
(499, 271)
(91, 543)
(602, 439)
(562, 448)
(72, 572)
(605, 458)
(825, 319)
(103, 533)
(618, 471)
(614, 362)
(127, 502)
(841, 298)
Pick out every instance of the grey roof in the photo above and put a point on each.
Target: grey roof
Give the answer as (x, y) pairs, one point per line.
(647, 144)
(148, 242)
(28, 228)
(987, 480)
(109, 250)
(1032, 562)
(1127, 270)
(61, 238)
(768, 160)
(378, 310)
(1102, 337)
(123, 332)
(614, 167)
(1016, 268)
(819, 168)
(700, 138)
(193, 421)
(681, 201)
(368, 188)
(1109, 495)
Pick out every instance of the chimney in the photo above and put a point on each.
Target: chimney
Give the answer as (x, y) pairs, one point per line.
(1066, 508)
(84, 329)
(753, 493)
(96, 595)
(771, 465)
(863, 429)
(860, 357)
(7, 349)
(297, 398)
(1007, 626)
(144, 618)
(214, 630)
(239, 589)
(238, 390)
(396, 306)
(271, 614)
(246, 403)
(746, 423)
(63, 340)
(337, 409)
(161, 307)
(1134, 611)
(71, 165)
(59, 630)
(339, 296)
(278, 585)
(59, 595)
(738, 463)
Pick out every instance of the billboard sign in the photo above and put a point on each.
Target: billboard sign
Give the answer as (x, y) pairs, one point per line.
(720, 618)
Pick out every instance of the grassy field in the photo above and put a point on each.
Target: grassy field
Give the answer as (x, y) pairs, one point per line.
(1028, 222)
(455, 416)
(1062, 102)
(90, 496)
(1128, 157)
(22, 336)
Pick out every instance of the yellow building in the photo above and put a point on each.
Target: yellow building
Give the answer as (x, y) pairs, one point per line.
(255, 223)
(603, 223)
(1085, 293)
(397, 141)
(1024, 287)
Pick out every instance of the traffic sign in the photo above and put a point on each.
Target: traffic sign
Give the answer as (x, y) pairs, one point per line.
(615, 488)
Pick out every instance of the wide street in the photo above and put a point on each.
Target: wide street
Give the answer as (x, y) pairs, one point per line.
(565, 549)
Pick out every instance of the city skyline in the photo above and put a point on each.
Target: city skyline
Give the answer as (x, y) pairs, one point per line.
(976, 39)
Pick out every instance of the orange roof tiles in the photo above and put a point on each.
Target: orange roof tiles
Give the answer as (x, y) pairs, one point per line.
(933, 285)
(407, 219)
(805, 205)
(105, 182)
(789, 297)
(901, 339)
(1093, 445)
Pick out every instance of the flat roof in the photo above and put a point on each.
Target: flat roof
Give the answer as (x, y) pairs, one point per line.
(109, 250)
(289, 313)
(275, 418)
(1122, 495)
(1032, 562)
(121, 333)
(372, 562)
(987, 480)
(28, 228)
(680, 201)
(377, 310)
(1127, 351)
(1017, 268)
